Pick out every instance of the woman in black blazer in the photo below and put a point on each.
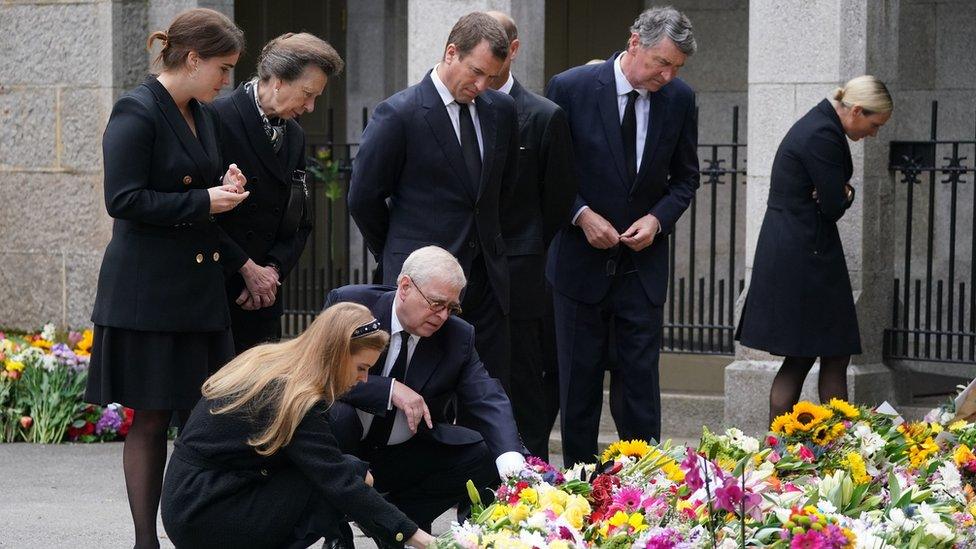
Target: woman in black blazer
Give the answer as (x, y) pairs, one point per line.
(160, 315)
(800, 303)
(260, 135)
(258, 464)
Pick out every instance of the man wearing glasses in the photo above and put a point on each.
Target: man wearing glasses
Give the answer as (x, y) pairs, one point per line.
(400, 420)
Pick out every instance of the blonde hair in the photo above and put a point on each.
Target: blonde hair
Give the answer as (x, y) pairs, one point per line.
(867, 92)
(283, 381)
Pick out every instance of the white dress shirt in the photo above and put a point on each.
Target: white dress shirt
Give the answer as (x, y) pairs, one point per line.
(507, 463)
(507, 87)
(642, 106)
(454, 111)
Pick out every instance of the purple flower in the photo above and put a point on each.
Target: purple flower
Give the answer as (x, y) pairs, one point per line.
(109, 422)
(730, 497)
(692, 472)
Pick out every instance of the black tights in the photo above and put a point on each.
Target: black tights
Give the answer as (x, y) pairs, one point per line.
(789, 381)
(143, 461)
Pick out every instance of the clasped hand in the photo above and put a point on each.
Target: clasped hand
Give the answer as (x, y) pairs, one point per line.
(227, 196)
(260, 286)
(601, 234)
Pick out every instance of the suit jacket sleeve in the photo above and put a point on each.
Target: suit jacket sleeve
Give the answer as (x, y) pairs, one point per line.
(286, 252)
(558, 182)
(487, 408)
(559, 96)
(374, 175)
(823, 158)
(339, 478)
(372, 397)
(683, 179)
(128, 151)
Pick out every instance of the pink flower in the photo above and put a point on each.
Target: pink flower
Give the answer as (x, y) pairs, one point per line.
(773, 457)
(692, 471)
(810, 539)
(627, 499)
(805, 453)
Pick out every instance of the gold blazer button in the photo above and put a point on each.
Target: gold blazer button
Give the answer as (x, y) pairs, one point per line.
(187, 180)
(216, 256)
(399, 536)
(199, 258)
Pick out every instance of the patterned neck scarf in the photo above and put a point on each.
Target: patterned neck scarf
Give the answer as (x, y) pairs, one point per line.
(273, 127)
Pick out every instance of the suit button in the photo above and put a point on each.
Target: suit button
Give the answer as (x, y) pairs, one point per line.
(471, 244)
(268, 236)
(187, 180)
(630, 199)
(399, 536)
(199, 258)
(216, 256)
(277, 211)
(253, 206)
(264, 472)
(249, 235)
(254, 178)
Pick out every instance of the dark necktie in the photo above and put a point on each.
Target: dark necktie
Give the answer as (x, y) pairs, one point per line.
(380, 429)
(628, 130)
(469, 146)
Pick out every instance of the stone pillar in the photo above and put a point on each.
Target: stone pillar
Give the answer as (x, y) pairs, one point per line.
(798, 53)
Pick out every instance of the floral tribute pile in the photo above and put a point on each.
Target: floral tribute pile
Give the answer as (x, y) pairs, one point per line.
(42, 383)
(825, 477)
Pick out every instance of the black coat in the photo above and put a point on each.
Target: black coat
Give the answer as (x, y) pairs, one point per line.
(539, 203)
(219, 492)
(443, 367)
(161, 270)
(253, 227)
(665, 185)
(800, 301)
(411, 156)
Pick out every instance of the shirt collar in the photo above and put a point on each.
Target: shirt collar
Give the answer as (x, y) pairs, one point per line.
(623, 85)
(442, 90)
(507, 88)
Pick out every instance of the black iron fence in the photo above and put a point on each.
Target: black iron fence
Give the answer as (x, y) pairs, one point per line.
(705, 247)
(933, 314)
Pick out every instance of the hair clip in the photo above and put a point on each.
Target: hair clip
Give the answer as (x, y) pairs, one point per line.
(366, 329)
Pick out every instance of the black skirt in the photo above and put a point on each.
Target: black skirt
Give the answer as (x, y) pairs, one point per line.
(154, 370)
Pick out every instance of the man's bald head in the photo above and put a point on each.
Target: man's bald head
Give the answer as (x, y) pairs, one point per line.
(511, 32)
(507, 23)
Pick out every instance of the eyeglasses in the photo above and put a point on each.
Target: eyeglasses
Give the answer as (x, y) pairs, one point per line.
(438, 305)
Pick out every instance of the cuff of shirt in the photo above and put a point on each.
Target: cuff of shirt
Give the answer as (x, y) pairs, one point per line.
(508, 463)
(577, 214)
(389, 399)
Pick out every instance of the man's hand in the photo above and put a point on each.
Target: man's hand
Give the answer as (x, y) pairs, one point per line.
(261, 282)
(641, 234)
(246, 301)
(369, 478)
(599, 232)
(413, 406)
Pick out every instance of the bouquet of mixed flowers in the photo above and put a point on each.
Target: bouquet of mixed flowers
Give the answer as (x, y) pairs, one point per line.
(826, 476)
(42, 382)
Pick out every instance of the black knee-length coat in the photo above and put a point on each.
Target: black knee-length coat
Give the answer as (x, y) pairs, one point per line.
(800, 301)
(219, 492)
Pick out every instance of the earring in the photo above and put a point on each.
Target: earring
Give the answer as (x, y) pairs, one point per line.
(276, 91)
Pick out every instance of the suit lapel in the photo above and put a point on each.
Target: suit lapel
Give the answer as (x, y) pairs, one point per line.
(489, 129)
(191, 144)
(382, 310)
(658, 106)
(205, 133)
(606, 92)
(251, 119)
(443, 130)
(423, 362)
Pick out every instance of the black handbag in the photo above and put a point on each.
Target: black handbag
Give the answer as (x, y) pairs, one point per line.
(298, 210)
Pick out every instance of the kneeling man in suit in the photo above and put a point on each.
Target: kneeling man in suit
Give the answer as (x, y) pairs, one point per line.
(401, 420)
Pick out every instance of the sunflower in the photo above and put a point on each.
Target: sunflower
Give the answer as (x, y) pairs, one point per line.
(807, 415)
(845, 408)
(783, 424)
(825, 434)
(626, 448)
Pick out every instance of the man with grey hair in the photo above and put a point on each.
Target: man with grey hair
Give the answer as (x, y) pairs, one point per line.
(635, 137)
(400, 420)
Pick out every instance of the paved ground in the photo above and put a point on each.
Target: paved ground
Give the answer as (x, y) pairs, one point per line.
(73, 495)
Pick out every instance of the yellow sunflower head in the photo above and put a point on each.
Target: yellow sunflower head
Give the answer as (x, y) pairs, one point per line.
(783, 425)
(626, 448)
(807, 415)
(845, 408)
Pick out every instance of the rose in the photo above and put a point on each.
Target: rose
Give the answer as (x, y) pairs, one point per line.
(26, 422)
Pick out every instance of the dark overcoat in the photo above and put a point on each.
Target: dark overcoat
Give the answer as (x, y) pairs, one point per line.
(161, 271)
(539, 203)
(254, 228)
(411, 157)
(219, 492)
(800, 301)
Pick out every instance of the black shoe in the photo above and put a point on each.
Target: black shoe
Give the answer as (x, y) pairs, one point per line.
(343, 539)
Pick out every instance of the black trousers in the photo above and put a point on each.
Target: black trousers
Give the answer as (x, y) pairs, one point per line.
(535, 381)
(491, 330)
(582, 334)
(421, 476)
(251, 328)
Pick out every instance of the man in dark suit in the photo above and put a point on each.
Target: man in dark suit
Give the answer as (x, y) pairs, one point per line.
(441, 152)
(634, 137)
(400, 420)
(537, 206)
